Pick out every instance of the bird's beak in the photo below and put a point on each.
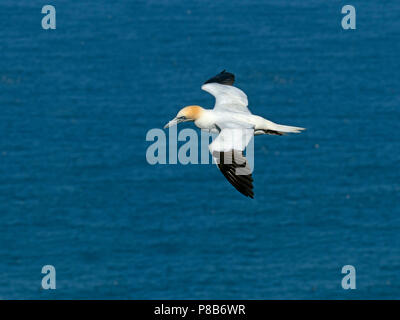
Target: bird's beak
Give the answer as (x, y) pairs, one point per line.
(173, 122)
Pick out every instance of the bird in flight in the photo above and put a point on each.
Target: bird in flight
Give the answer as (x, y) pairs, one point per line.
(235, 125)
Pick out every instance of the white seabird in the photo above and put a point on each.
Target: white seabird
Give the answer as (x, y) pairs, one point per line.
(235, 124)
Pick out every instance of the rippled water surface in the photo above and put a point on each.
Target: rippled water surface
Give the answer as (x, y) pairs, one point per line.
(76, 191)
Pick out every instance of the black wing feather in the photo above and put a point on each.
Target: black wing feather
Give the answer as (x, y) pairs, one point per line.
(223, 77)
(228, 163)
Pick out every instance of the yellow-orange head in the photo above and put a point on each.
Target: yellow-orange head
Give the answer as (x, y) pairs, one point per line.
(189, 113)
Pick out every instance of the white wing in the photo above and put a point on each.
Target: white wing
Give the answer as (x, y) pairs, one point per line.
(227, 151)
(233, 136)
(227, 98)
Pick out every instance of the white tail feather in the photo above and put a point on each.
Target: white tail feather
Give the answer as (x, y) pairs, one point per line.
(264, 126)
(287, 129)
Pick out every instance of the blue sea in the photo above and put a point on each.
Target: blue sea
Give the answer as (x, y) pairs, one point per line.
(77, 192)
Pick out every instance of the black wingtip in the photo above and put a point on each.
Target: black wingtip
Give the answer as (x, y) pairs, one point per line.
(228, 165)
(223, 77)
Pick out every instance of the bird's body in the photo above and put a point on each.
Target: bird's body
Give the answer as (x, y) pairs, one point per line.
(209, 119)
(235, 124)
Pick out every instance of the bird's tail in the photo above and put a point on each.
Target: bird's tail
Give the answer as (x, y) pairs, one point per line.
(269, 127)
(287, 129)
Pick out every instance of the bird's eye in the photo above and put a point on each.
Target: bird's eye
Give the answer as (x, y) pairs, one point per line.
(182, 118)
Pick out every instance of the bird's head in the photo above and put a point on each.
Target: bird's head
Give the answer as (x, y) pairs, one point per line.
(189, 113)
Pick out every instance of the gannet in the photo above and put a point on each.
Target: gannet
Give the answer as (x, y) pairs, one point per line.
(235, 125)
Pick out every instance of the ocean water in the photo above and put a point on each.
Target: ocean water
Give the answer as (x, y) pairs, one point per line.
(76, 190)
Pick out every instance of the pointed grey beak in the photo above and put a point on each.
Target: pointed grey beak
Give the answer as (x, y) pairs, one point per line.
(175, 121)
(171, 123)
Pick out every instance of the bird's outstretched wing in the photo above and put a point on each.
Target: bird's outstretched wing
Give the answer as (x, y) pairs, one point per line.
(227, 97)
(227, 151)
(229, 163)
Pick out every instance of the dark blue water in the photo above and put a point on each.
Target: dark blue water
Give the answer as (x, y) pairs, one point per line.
(76, 191)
